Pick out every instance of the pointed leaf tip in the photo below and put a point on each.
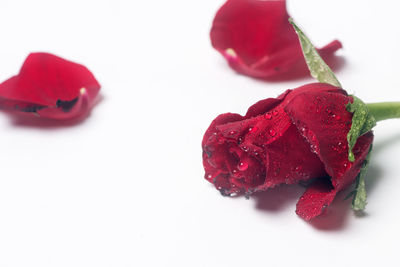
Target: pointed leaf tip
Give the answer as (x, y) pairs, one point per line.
(360, 196)
(317, 66)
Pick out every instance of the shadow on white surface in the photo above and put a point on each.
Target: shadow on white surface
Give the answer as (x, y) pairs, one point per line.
(336, 216)
(278, 198)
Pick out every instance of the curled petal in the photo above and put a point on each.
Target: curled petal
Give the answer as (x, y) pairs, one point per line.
(50, 87)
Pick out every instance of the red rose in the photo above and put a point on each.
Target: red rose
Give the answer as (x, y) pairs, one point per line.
(51, 87)
(299, 136)
(257, 40)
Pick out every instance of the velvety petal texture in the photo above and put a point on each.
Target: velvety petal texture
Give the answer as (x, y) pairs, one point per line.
(50, 87)
(257, 39)
(299, 136)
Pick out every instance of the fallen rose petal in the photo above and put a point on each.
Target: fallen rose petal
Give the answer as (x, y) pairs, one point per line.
(257, 39)
(50, 87)
(299, 136)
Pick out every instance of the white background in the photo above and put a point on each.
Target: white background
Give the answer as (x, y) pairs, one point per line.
(125, 187)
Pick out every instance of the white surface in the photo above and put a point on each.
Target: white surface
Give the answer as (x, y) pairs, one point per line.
(126, 187)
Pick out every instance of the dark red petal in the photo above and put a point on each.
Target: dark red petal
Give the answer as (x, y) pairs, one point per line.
(221, 119)
(265, 105)
(267, 144)
(290, 160)
(321, 194)
(324, 122)
(321, 117)
(51, 87)
(314, 201)
(257, 40)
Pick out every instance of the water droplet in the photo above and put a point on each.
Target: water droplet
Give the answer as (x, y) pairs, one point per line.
(209, 176)
(275, 113)
(313, 148)
(272, 132)
(253, 129)
(245, 148)
(232, 132)
(242, 166)
(268, 116)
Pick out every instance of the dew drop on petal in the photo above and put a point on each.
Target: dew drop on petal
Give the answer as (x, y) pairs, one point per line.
(253, 129)
(245, 148)
(275, 113)
(272, 132)
(242, 166)
(268, 116)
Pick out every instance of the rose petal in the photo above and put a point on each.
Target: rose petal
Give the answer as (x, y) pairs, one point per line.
(290, 161)
(265, 105)
(314, 201)
(257, 40)
(323, 121)
(51, 87)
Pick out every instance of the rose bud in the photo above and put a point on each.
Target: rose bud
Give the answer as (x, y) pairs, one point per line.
(257, 40)
(316, 133)
(298, 136)
(50, 87)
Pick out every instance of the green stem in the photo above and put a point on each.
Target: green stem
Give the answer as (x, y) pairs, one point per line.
(385, 110)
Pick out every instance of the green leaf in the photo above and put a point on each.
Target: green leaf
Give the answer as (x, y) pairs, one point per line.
(363, 121)
(317, 66)
(360, 196)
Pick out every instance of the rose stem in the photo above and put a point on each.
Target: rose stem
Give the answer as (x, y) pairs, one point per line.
(385, 110)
